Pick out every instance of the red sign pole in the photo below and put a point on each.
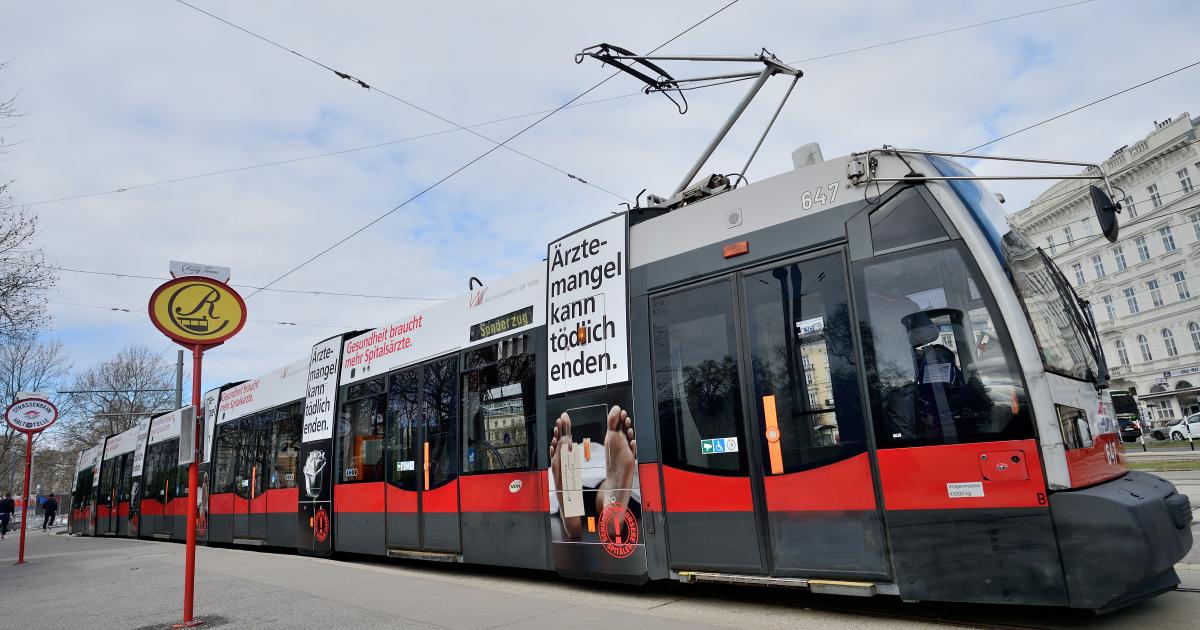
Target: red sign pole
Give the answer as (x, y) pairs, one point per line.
(25, 496)
(189, 576)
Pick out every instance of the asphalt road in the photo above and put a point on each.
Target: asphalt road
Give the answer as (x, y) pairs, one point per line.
(118, 583)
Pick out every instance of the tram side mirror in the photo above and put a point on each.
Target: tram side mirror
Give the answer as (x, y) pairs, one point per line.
(1106, 213)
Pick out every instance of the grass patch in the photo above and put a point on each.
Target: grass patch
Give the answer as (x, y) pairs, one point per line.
(1165, 465)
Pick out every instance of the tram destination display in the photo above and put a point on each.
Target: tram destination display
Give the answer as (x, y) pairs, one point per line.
(503, 324)
(586, 322)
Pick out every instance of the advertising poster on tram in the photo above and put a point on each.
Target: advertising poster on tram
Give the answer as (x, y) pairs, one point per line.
(207, 417)
(314, 527)
(139, 463)
(595, 495)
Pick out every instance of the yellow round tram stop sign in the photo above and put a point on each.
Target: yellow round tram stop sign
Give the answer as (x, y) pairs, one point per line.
(195, 310)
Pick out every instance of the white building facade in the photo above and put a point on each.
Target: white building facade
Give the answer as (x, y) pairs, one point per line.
(1145, 287)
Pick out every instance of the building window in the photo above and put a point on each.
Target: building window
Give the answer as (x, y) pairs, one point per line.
(1195, 219)
(1181, 285)
(1087, 227)
(1169, 342)
(1067, 232)
(1144, 346)
(1131, 301)
(1050, 242)
(1078, 269)
(1098, 265)
(1155, 198)
(1143, 248)
(1194, 331)
(1122, 353)
(1185, 180)
(1110, 308)
(1167, 238)
(1119, 253)
(1155, 293)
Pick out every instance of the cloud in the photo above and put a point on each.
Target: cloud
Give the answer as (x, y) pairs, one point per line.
(125, 94)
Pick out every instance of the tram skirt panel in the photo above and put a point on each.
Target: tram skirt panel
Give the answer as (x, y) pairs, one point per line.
(957, 537)
(282, 504)
(504, 520)
(360, 518)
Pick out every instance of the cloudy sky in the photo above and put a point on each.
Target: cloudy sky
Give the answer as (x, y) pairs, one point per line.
(121, 94)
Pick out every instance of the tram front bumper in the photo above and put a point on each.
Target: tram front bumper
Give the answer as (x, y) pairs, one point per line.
(1120, 540)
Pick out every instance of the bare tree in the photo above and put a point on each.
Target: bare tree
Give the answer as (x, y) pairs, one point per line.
(27, 365)
(112, 396)
(53, 471)
(24, 277)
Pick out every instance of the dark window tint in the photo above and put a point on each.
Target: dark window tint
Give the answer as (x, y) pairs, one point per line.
(805, 379)
(499, 407)
(905, 219)
(286, 435)
(941, 367)
(696, 378)
(440, 407)
(361, 429)
(227, 441)
(404, 413)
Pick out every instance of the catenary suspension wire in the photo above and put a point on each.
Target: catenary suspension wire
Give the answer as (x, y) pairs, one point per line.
(1082, 188)
(250, 286)
(1085, 219)
(477, 158)
(124, 309)
(1082, 107)
(506, 118)
(942, 32)
(375, 88)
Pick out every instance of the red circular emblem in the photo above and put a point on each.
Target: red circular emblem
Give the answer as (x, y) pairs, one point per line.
(618, 531)
(321, 525)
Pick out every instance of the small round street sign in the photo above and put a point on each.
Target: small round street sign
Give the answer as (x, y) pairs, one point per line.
(194, 310)
(31, 415)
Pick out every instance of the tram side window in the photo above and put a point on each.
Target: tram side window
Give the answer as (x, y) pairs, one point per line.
(905, 219)
(941, 369)
(404, 413)
(696, 378)
(106, 481)
(499, 409)
(227, 454)
(361, 424)
(804, 365)
(287, 422)
(440, 407)
(126, 491)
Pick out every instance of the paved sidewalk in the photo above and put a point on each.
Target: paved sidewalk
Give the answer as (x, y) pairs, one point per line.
(120, 583)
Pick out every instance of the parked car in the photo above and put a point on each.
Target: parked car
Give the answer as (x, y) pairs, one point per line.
(1161, 432)
(1130, 429)
(1187, 429)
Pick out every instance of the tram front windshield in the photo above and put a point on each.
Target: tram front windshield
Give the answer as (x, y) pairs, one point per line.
(1064, 332)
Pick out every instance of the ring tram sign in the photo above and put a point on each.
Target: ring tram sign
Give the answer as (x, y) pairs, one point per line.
(197, 310)
(31, 415)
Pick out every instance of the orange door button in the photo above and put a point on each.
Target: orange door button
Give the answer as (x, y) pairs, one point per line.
(426, 465)
(1003, 466)
(771, 420)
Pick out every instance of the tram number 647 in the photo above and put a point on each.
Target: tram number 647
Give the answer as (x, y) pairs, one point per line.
(818, 196)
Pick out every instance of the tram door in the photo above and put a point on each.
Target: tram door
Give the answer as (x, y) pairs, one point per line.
(253, 448)
(112, 490)
(765, 457)
(422, 462)
(162, 482)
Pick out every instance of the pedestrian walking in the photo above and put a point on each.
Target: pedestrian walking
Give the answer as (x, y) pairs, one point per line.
(49, 511)
(7, 507)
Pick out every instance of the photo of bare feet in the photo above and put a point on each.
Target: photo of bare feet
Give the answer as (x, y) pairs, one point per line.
(606, 438)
